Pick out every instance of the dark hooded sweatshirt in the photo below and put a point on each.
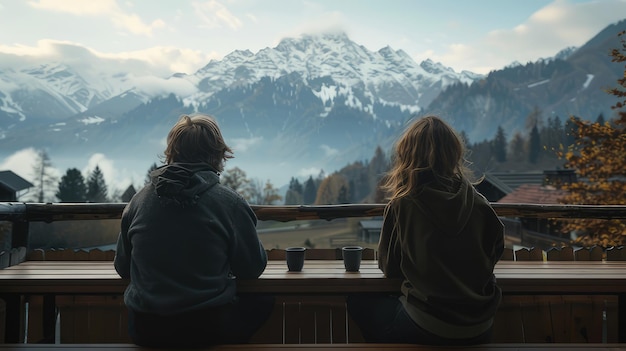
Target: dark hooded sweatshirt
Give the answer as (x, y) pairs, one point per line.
(444, 241)
(184, 240)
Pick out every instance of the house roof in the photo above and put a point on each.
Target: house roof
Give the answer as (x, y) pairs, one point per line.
(13, 182)
(509, 181)
(534, 194)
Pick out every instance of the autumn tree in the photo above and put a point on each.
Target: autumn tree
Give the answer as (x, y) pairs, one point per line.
(260, 193)
(553, 136)
(236, 179)
(270, 194)
(599, 158)
(72, 187)
(255, 192)
(96, 186)
(329, 191)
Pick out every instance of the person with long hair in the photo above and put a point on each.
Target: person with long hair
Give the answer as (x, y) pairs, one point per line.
(185, 239)
(442, 238)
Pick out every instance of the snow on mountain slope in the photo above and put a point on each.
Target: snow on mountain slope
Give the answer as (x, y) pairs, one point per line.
(386, 75)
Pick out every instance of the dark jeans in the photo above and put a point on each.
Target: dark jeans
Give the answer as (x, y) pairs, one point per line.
(383, 319)
(228, 324)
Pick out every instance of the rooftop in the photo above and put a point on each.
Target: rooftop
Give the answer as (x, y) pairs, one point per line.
(13, 182)
(535, 194)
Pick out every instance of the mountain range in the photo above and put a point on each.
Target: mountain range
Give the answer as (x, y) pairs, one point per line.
(315, 102)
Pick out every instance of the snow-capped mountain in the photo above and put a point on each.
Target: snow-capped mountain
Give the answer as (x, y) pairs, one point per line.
(574, 82)
(51, 92)
(326, 97)
(386, 75)
(312, 102)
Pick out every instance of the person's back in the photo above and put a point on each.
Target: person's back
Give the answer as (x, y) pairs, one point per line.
(184, 240)
(442, 238)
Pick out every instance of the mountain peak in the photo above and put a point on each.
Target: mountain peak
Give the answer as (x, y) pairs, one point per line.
(435, 68)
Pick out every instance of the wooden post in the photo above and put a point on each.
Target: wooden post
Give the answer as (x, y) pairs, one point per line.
(19, 234)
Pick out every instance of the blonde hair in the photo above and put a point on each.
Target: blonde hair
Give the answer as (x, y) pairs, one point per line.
(427, 144)
(197, 139)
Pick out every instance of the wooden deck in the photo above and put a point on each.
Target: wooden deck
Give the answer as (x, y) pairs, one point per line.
(561, 303)
(545, 301)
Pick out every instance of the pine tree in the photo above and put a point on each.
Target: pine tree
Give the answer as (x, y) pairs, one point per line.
(599, 158)
(516, 148)
(310, 191)
(342, 197)
(377, 167)
(96, 186)
(533, 124)
(534, 145)
(499, 145)
(44, 178)
(293, 196)
(72, 187)
(148, 178)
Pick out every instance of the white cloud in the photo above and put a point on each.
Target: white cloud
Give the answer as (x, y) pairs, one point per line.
(242, 145)
(330, 22)
(160, 61)
(21, 163)
(556, 26)
(102, 8)
(329, 151)
(135, 25)
(311, 171)
(154, 86)
(214, 15)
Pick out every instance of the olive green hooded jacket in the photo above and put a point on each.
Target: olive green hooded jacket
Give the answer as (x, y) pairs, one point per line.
(444, 241)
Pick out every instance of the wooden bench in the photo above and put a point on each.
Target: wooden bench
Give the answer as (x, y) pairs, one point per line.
(326, 347)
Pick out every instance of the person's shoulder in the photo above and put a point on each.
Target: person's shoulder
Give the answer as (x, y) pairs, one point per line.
(407, 202)
(141, 195)
(227, 194)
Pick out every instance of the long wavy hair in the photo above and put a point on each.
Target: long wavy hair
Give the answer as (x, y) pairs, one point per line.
(427, 144)
(197, 139)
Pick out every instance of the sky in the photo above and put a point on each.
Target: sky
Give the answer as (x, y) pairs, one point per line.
(169, 36)
(183, 35)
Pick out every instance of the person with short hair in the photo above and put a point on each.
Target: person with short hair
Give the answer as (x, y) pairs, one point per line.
(442, 238)
(184, 241)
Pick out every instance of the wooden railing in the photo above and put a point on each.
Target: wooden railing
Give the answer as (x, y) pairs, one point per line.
(50, 212)
(23, 213)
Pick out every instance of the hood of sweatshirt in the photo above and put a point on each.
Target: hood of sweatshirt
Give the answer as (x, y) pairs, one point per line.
(448, 202)
(183, 183)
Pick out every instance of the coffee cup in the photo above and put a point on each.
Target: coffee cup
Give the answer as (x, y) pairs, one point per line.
(295, 258)
(352, 257)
